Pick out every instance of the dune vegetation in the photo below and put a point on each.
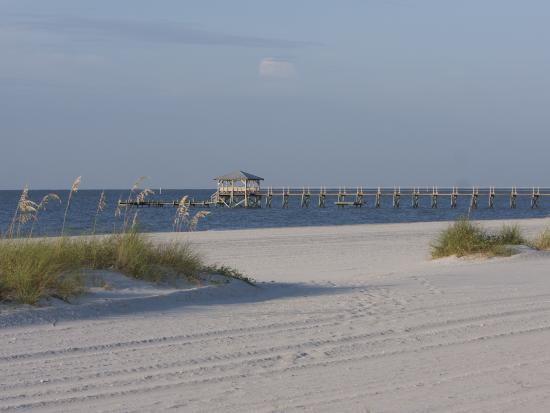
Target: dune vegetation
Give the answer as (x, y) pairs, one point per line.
(35, 268)
(464, 237)
(542, 240)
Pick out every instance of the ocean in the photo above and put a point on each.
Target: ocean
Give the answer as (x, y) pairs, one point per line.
(84, 203)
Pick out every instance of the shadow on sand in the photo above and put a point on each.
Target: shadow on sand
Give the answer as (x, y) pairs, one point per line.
(234, 292)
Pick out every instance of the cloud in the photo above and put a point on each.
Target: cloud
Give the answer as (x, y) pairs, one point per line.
(270, 67)
(92, 29)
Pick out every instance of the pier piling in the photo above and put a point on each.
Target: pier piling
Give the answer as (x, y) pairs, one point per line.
(513, 198)
(378, 196)
(473, 200)
(286, 195)
(491, 197)
(396, 197)
(454, 198)
(535, 198)
(415, 197)
(322, 197)
(435, 194)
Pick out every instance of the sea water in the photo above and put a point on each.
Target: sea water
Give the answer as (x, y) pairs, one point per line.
(80, 216)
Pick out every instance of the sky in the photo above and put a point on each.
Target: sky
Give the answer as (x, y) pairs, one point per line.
(300, 92)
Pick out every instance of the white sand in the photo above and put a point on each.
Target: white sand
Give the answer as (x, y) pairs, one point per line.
(349, 318)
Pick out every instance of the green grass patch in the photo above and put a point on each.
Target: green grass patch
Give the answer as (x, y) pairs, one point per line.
(466, 238)
(34, 269)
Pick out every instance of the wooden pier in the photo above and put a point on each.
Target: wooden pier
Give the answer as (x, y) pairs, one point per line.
(360, 197)
(241, 189)
(162, 204)
(477, 197)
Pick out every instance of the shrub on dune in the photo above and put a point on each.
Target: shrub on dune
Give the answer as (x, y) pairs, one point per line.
(461, 238)
(466, 238)
(510, 235)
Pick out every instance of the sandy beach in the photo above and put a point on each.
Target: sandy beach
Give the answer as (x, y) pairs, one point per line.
(344, 318)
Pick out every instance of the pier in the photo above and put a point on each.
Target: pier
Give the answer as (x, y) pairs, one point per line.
(162, 204)
(243, 190)
(359, 197)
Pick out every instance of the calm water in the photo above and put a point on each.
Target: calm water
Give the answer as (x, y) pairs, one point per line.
(160, 219)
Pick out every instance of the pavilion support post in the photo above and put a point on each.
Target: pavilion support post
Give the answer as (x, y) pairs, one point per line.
(245, 193)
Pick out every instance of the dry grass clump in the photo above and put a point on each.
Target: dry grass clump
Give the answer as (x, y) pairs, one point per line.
(466, 238)
(542, 240)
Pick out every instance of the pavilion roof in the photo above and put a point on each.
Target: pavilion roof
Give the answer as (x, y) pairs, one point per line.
(238, 176)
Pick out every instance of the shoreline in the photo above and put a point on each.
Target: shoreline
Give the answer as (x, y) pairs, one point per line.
(300, 227)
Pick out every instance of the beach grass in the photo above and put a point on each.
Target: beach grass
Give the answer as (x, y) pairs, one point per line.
(464, 238)
(510, 235)
(228, 272)
(542, 240)
(32, 269)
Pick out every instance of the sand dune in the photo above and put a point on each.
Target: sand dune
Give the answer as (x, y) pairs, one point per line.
(350, 318)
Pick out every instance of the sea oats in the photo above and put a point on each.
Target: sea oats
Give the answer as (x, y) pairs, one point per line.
(24, 207)
(101, 203)
(137, 183)
(47, 198)
(42, 206)
(118, 210)
(196, 218)
(143, 194)
(74, 188)
(76, 184)
(100, 207)
(182, 213)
